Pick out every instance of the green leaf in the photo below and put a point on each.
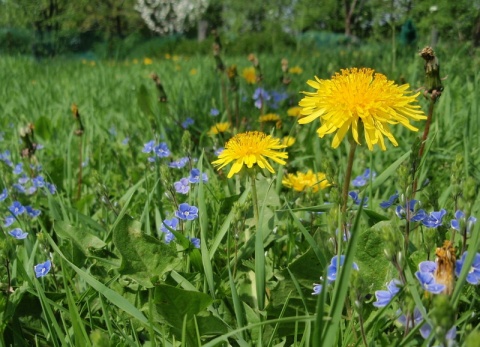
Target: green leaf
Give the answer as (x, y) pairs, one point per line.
(174, 304)
(84, 240)
(370, 257)
(143, 256)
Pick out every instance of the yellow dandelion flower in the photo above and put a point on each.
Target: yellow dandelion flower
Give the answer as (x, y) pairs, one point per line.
(288, 141)
(147, 61)
(295, 70)
(219, 128)
(167, 56)
(250, 75)
(295, 111)
(306, 181)
(92, 63)
(271, 118)
(362, 100)
(252, 147)
(193, 72)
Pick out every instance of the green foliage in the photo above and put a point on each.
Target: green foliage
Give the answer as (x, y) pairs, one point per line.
(116, 281)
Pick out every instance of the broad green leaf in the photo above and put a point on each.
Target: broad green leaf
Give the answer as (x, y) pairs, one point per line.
(143, 256)
(84, 240)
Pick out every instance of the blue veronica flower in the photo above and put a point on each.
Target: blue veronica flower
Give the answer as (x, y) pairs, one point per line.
(419, 216)
(356, 198)
(385, 296)
(23, 179)
(30, 190)
(4, 194)
(195, 242)
(426, 278)
(162, 150)
(169, 237)
(187, 122)
(38, 182)
(125, 141)
(148, 147)
(218, 151)
(391, 200)
(364, 178)
(19, 188)
(9, 220)
(52, 188)
(425, 329)
(260, 96)
(473, 276)
(459, 221)
(333, 268)
(182, 186)
(180, 163)
(32, 212)
(112, 131)
(18, 234)
(195, 176)
(186, 212)
(16, 208)
(42, 269)
(317, 289)
(171, 223)
(434, 220)
(401, 212)
(277, 98)
(18, 169)
(214, 112)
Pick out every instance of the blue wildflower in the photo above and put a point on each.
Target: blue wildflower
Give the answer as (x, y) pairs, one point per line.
(277, 98)
(162, 150)
(364, 178)
(32, 212)
(218, 151)
(18, 169)
(23, 179)
(391, 200)
(186, 212)
(317, 289)
(38, 182)
(52, 188)
(42, 269)
(425, 329)
(473, 276)
(180, 163)
(4, 194)
(333, 268)
(195, 242)
(148, 147)
(401, 212)
(187, 122)
(18, 234)
(426, 278)
(356, 198)
(385, 296)
(459, 221)
(9, 220)
(434, 220)
(125, 141)
(182, 186)
(171, 223)
(113, 131)
(214, 112)
(195, 176)
(16, 208)
(260, 96)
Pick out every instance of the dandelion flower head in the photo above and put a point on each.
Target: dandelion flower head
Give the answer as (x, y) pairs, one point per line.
(271, 118)
(249, 75)
(305, 181)
(363, 101)
(252, 147)
(219, 128)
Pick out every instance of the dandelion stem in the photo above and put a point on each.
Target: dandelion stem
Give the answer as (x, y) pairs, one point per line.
(346, 183)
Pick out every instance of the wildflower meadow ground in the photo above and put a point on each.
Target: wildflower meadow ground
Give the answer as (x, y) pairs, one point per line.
(323, 198)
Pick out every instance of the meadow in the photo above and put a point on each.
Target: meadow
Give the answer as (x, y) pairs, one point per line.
(117, 229)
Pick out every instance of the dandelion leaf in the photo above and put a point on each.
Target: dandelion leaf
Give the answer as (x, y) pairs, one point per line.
(374, 268)
(143, 256)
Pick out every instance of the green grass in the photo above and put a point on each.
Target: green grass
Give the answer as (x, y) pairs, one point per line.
(114, 281)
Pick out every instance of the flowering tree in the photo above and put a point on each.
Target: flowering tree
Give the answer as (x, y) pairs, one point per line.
(169, 16)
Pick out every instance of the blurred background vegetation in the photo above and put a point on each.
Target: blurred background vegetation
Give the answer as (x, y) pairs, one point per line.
(96, 29)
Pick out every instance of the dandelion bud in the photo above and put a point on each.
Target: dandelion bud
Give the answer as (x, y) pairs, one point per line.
(432, 72)
(444, 274)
